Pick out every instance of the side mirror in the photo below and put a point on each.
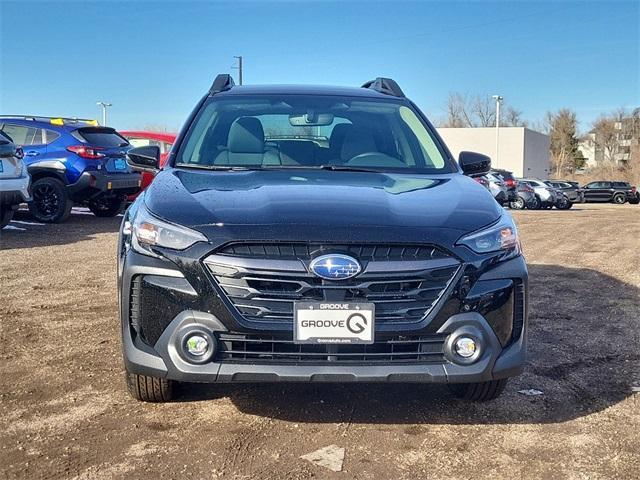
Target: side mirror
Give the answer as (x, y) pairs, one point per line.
(474, 164)
(144, 159)
(8, 149)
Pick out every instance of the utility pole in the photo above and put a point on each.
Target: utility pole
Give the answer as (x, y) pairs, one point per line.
(239, 67)
(498, 100)
(104, 106)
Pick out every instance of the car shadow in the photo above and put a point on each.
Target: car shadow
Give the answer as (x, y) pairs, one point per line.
(26, 232)
(582, 357)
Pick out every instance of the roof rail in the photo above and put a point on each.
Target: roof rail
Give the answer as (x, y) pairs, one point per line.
(53, 120)
(223, 82)
(388, 86)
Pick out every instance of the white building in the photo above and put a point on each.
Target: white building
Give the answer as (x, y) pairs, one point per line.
(521, 150)
(587, 147)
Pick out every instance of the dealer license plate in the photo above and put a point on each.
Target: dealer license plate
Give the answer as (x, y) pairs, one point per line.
(339, 323)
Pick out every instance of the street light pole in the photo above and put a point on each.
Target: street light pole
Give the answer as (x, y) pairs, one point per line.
(498, 100)
(104, 106)
(239, 67)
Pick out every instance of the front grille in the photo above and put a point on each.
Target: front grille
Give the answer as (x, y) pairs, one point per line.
(263, 281)
(400, 349)
(306, 251)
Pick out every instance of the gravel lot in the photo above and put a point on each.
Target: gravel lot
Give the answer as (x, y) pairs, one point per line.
(65, 412)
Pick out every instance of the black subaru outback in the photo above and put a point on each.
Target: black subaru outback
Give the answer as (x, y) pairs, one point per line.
(315, 234)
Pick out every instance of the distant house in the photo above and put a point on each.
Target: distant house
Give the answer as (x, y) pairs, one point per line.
(522, 151)
(597, 150)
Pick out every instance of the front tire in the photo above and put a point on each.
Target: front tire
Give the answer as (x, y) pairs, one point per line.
(479, 391)
(535, 204)
(518, 204)
(107, 207)
(564, 204)
(6, 214)
(150, 389)
(50, 201)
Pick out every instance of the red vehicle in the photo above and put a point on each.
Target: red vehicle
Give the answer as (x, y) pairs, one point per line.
(143, 139)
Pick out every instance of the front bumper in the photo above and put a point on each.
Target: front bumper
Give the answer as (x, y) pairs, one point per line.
(14, 191)
(482, 307)
(95, 183)
(163, 360)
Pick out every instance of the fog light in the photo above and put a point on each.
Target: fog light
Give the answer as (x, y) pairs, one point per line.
(466, 347)
(197, 345)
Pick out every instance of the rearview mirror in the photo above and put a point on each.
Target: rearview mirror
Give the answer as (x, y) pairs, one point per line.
(144, 159)
(311, 119)
(474, 164)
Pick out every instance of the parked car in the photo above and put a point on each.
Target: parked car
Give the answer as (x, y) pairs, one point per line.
(318, 234)
(482, 181)
(544, 193)
(605, 191)
(164, 141)
(526, 198)
(509, 182)
(571, 190)
(497, 188)
(14, 179)
(72, 161)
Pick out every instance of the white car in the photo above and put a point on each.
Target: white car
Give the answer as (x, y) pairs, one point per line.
(14, 179)
(548, 195)
(497, 188)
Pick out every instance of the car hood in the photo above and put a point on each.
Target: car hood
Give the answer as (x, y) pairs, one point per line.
(289, 201)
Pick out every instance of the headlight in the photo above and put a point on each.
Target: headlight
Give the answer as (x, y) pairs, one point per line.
(500, 236)
(148, 231)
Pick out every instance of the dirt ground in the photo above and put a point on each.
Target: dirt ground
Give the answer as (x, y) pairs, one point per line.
(65, 412)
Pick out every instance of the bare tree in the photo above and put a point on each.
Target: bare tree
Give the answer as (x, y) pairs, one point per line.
(479, 111)
(484, 109)
(457, 111)
(512, 118)
(606, 136)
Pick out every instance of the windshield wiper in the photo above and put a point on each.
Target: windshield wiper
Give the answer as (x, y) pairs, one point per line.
(336, 168)
(226, 168)
(242, 168)
(346, 168)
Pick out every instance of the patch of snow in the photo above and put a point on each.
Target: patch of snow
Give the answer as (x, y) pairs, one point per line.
(531, 392)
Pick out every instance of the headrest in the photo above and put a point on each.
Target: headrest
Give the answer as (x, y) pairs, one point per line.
(337, 135)
(358, 140)
(246, 136)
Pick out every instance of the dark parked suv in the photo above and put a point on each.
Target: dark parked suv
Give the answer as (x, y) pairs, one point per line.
(571, 190)
(616, 192)
(317, 234)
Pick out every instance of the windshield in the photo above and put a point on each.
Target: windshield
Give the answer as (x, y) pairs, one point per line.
(101, 137)
(311, 131)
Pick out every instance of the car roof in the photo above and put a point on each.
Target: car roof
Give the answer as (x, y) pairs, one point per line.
(28, 122)
(304, 90)
(164, 137)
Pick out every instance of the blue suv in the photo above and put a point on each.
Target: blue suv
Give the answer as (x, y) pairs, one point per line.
(73, 162)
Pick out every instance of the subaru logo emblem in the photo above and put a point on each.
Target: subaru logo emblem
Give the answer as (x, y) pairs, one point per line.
(335, 267)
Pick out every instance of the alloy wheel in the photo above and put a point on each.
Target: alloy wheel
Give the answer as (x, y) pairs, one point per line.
(46, 199)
